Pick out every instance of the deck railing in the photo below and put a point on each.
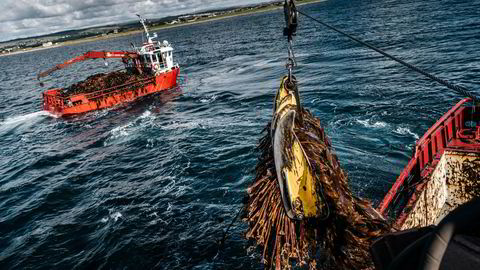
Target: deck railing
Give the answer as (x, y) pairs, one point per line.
(116, 89)
(59, 101)
(428, 151)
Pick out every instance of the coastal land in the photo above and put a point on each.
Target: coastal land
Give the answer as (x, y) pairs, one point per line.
(73, 37)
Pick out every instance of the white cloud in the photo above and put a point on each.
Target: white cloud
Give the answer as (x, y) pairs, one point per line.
(23, 18)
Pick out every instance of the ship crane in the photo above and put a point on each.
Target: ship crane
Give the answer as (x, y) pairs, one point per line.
(149, 69)
(124, 55)
(152, 57)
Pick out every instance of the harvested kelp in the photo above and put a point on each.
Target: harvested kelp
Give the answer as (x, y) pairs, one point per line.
(339, 240)
(101, 81)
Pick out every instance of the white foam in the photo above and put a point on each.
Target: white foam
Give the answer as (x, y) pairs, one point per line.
(186, 125)
(121, 131)
(181, 190)
(370, 124)
(208, 99)
(406, 131)
(126, 130)
(206, 124)
(146, 114)
(150, 143)
(19, 119)
(168, 188)
(115, 216)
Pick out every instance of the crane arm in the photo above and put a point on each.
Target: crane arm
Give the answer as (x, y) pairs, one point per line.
(89, 55)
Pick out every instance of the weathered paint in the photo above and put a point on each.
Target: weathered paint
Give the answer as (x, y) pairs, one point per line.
(443, 172)
(454, 181)
(105, 98)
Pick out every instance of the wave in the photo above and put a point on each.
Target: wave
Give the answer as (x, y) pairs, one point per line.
(121, 131)
(126, 130)
(20, 119)
(208, 99)
(406, 131)
(114, 216)
(368, 123)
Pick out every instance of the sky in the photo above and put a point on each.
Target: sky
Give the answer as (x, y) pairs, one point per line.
(26, 18)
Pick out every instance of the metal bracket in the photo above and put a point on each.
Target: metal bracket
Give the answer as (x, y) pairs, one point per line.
(291, 61)
(291, 86)
(291, 21)
(290, 30)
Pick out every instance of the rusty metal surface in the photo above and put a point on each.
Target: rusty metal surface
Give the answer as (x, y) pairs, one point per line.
(454, 181)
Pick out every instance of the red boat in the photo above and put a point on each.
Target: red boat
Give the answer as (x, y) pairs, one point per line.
(443, 173)
(434, 203)
(148, 69)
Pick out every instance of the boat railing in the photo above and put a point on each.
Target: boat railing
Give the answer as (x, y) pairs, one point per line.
(118, 88)
(111, 90)
(406, 189)
(436, 139)
(51, 99)
(428, 151)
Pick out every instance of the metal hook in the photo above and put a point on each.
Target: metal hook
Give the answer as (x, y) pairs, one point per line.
(291, 16)
(290, 30)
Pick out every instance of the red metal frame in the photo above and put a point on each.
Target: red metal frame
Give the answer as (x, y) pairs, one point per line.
(91, 55)
(445, 133)
(104, 98)
(163, 78)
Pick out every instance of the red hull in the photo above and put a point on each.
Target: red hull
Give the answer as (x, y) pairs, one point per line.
(59, 105)
(452, 132)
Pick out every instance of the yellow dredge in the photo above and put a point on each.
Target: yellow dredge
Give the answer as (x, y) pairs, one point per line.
(294, 175)
(302, 213)
(319, 212)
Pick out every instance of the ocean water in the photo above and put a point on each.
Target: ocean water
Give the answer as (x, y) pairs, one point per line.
(152, 184)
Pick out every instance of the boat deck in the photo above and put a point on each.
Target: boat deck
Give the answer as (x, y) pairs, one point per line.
(443, 173)
(462, 178)
(454, 181)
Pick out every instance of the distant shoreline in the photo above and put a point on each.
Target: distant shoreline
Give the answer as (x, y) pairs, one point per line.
(162, 27)
(33, 49)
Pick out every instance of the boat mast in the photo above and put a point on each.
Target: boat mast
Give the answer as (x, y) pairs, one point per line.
(142, 21)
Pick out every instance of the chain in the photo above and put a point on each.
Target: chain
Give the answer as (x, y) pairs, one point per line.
(290, 31)
(291, 61)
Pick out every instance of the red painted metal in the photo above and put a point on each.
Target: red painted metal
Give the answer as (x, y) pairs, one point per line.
(91, 55)
(81, 103)
(153, 61)
(449, 132)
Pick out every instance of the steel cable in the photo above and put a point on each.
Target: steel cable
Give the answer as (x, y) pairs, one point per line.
(457, 88)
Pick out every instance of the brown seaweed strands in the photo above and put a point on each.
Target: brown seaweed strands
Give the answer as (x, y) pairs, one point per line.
(341, 241)
(101, 81)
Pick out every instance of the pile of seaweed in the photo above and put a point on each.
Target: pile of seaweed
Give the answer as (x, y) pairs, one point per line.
(101, 81)
(340, 241)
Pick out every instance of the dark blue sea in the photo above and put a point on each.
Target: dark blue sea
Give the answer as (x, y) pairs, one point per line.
(152, 184)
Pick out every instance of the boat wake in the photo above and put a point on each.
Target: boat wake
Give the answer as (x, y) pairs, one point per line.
(406, 131)
(208, 99)
(372, 124)
(126, 131)
(369, 123)
(27, 118)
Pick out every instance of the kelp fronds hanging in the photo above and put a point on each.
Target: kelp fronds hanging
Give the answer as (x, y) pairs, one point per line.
(339, 241)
